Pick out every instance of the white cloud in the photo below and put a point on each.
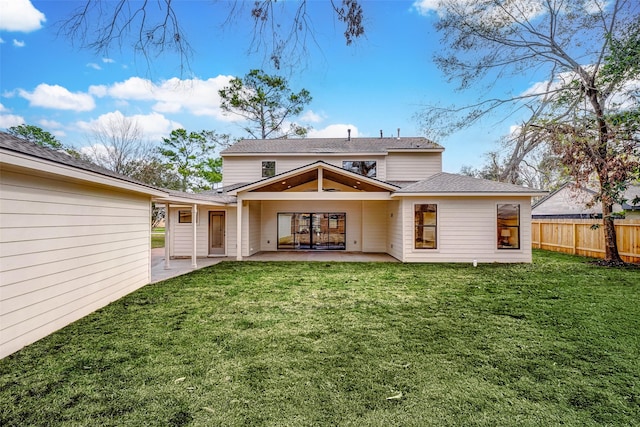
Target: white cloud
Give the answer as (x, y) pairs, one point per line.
(10, 120)
(3, 109)
(98, 90)
(505, 14)
(154, 126)
(424, 7)
(20, 16)
(18, 43)
(108, 60)
(49, 124)
(624, 98)
(196, 96)
(94, 66)
(58, 97)
(1, 40)
(334, 131)
(312, 117)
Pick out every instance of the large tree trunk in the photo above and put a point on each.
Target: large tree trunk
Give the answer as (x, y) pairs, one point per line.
(611, 245)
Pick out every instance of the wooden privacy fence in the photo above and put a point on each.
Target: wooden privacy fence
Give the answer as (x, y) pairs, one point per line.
(575, 236)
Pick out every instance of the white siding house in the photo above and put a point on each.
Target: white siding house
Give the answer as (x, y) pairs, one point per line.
(570, 201)
(73, 238)
(377, 195)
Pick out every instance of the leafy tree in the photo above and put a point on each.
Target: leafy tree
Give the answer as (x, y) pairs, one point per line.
(588, 54)
(156, 27)
(154, 172)
(212, 170)
(190, 156)
(36, 135)
(266, 102)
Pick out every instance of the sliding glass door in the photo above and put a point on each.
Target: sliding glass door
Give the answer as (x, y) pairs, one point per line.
(311, 231)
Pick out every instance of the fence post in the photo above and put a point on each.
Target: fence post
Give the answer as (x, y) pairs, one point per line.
(575, 238)
(540, 234)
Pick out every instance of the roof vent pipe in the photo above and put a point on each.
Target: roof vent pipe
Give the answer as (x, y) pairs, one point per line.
(398, 133)
(348, 134)
(380, 133)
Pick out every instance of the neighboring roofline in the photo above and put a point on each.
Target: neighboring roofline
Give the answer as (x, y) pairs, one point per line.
(266, 181)
(556, 191)
(22, 160)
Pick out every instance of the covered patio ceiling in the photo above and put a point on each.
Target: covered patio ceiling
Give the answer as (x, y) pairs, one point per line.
(293, 181)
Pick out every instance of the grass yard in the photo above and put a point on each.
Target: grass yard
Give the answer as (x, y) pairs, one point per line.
(157, 241)
(157, 237)
(315, 344)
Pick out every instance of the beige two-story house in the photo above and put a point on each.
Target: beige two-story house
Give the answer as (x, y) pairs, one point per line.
(371, 195)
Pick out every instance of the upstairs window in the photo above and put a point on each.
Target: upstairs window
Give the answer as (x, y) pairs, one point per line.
(363, 167)
(509, 226)
(268, 169)
(426, 225)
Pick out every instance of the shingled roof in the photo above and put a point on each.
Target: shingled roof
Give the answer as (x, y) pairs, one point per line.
(23, 146)
(444, 182)
(331, 145)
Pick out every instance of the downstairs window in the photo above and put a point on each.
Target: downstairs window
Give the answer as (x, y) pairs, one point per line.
(508, 226)
(426, 222)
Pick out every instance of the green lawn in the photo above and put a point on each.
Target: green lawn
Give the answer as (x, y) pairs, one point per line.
(363, 344)
(157, 241)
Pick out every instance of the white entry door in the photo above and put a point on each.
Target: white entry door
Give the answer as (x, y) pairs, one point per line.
(216, 233)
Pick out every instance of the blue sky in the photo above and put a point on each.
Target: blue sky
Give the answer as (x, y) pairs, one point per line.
(379, 83)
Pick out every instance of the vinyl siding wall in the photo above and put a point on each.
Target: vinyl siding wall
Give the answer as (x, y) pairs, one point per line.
(374, 226)
(182, 234)
(412, 166)
(252, 238)
(394, 229)
(467, 230)
(67, 249)
(249, 169)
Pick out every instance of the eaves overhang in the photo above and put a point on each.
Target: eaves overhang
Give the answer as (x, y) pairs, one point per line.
(286, 180)
(533, 193)
(16, 160)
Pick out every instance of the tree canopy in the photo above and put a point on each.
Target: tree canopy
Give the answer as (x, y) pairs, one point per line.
(191, 155)
(36, 135)
(584, 55)
(266, 103)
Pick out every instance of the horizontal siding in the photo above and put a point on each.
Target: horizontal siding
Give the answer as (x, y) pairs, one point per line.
(249, 169)
(66, 249)
(394, 229)
(374, 226)
(413, 166)
(182, 234)
(253, 228)
(467, 231)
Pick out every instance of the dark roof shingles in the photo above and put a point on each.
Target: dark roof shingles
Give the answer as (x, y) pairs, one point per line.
(444, 182)
(19, 145)
(330, 145)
